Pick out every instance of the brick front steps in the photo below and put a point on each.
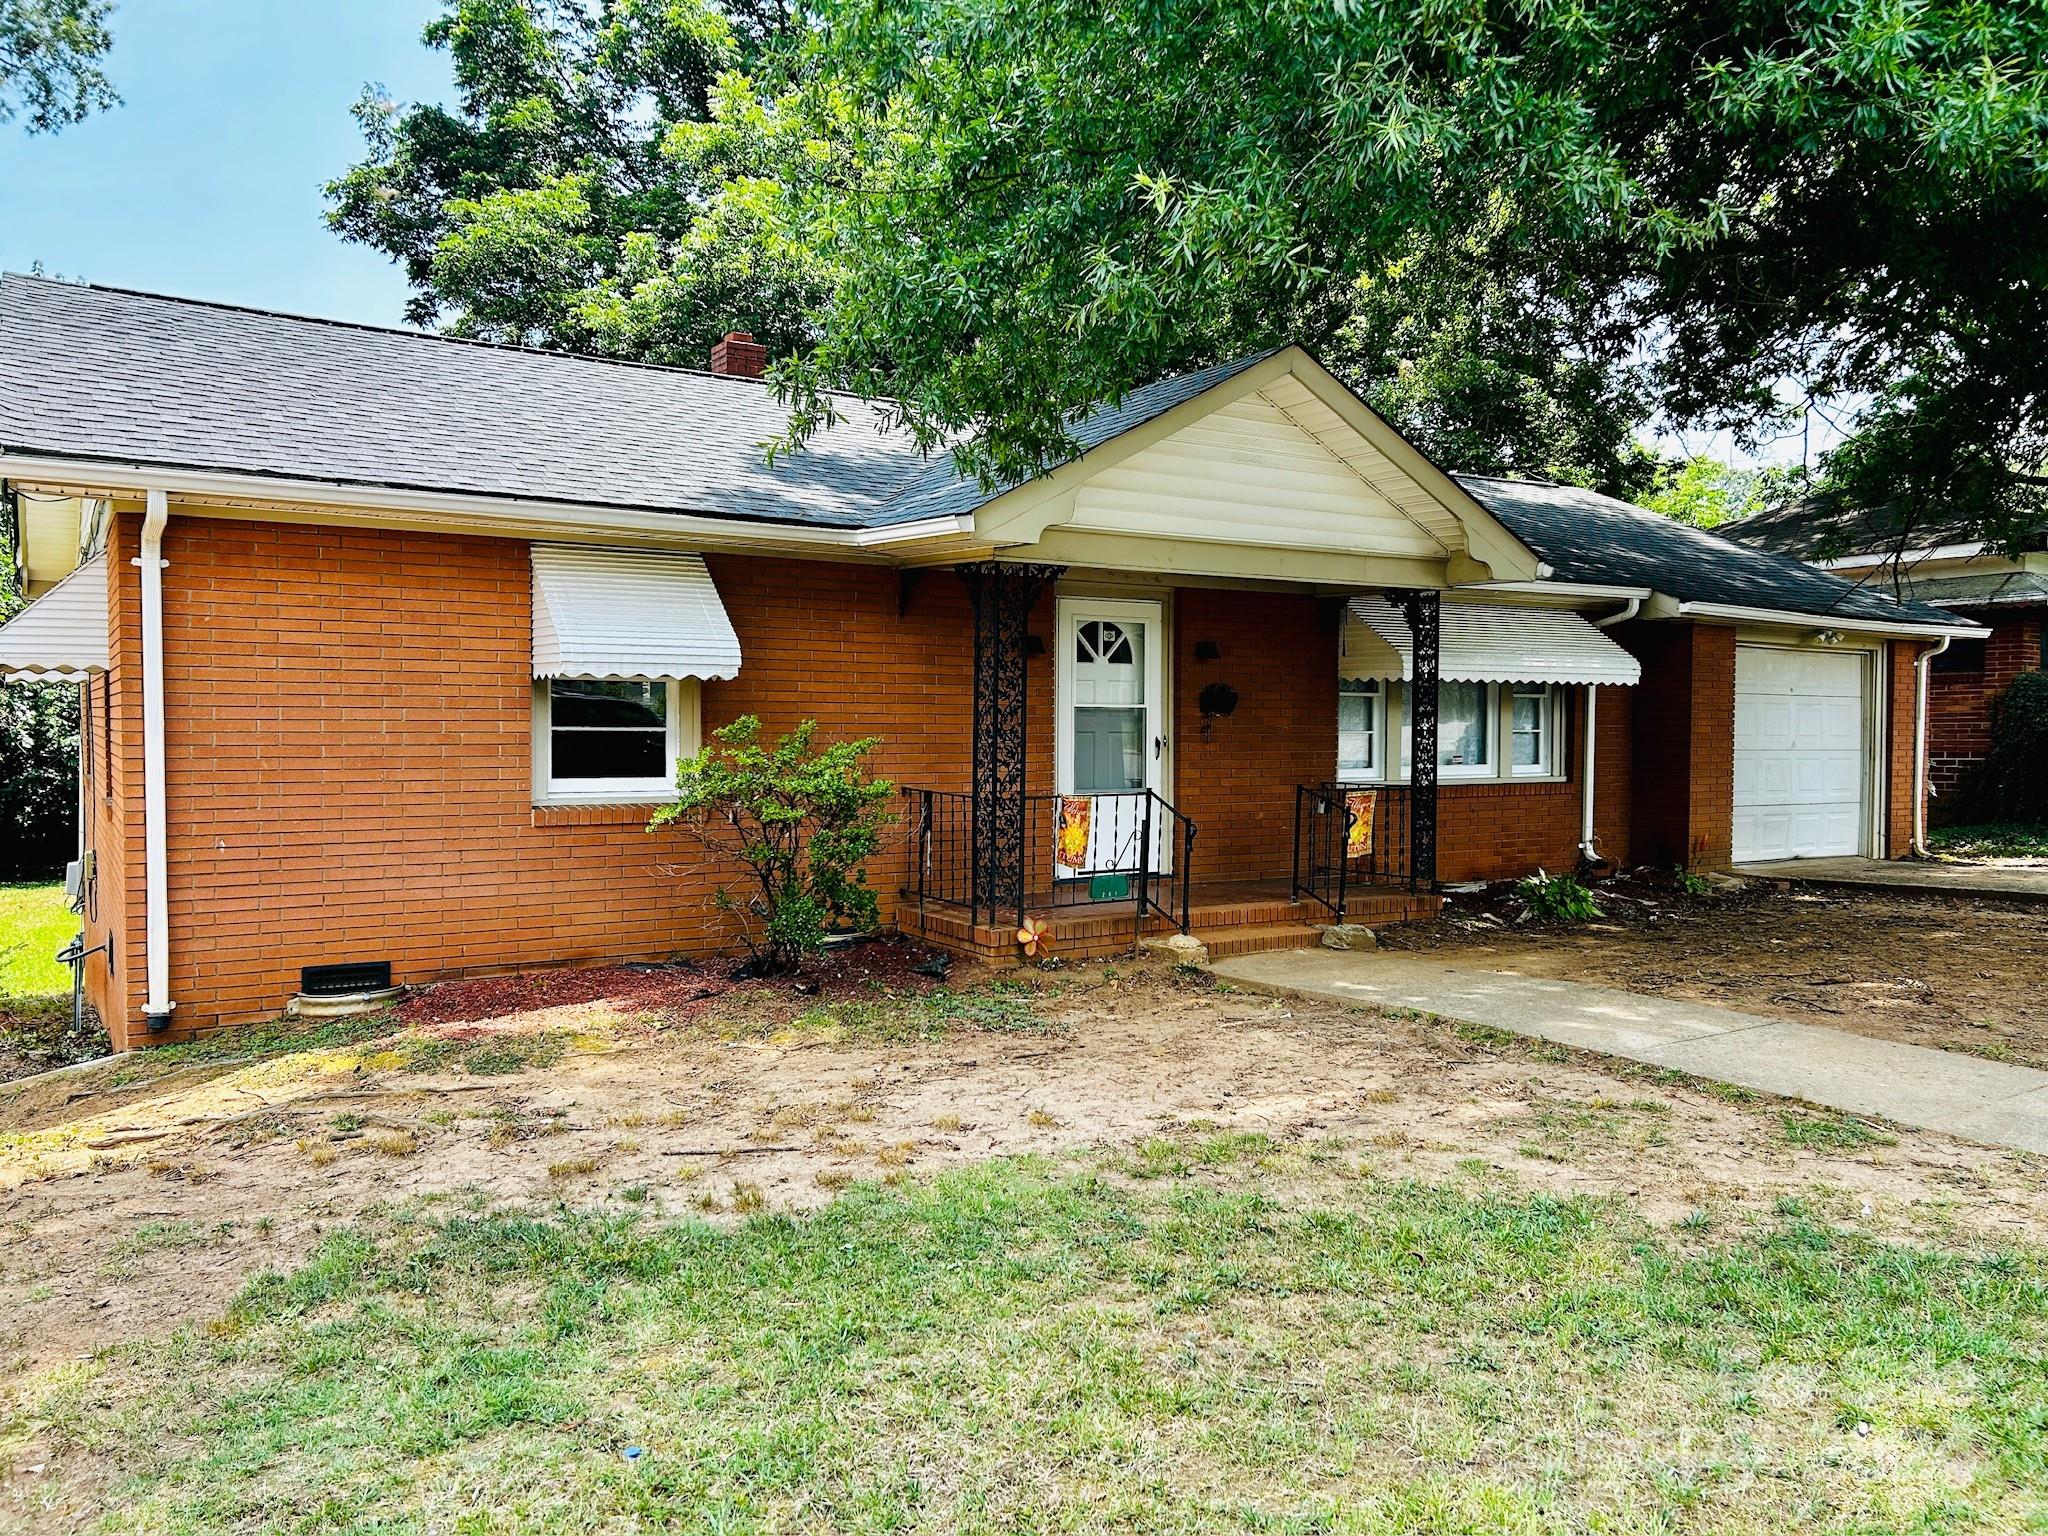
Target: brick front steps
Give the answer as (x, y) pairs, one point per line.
(1241, 918)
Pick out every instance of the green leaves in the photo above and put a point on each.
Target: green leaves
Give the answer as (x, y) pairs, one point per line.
(50, 53)
(800, 819)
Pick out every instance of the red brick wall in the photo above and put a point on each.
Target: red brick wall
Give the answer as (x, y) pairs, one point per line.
(1959, 704)
(1900, 703)
(1236, 776)
(1500, 830)
(1684, 743)
(349, 755)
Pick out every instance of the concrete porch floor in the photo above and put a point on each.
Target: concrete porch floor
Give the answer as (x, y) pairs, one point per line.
(1946, 1091)
(2005, 882)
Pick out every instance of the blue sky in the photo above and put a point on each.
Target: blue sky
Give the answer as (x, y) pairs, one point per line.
(206, 181)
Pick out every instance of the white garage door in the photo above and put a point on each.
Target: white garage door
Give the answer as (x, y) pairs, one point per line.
(1800, 751)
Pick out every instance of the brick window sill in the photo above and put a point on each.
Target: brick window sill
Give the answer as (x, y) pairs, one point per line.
(608, 814)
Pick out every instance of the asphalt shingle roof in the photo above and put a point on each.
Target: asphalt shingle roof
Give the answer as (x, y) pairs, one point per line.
(107, 374)
(1826, 528)
(103, 373)
(1585, 536)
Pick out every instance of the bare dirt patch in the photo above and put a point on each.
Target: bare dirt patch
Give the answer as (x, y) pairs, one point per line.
(135, 1208)
(1949, 973)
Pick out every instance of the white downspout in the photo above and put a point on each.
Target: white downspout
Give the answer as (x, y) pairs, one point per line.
(1920, 667)
(1587, 851)
(157, 1006)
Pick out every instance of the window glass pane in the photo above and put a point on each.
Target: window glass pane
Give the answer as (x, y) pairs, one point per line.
(1357, 704)
(1530, 718)
(1461, 734)
(606, 702)
(609, 754)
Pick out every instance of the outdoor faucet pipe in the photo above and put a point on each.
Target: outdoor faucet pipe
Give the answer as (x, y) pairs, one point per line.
(1920, 668)
(157, 1005)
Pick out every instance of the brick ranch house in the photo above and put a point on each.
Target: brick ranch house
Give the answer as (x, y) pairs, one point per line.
(1946, 568)
(387, 643)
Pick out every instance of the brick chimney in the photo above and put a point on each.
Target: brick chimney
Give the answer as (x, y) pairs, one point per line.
(739, 356)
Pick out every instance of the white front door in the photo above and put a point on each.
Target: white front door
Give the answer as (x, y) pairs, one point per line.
(1801, 752)
(1109, 678)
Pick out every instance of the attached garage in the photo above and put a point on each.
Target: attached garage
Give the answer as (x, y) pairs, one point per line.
(1802, 753)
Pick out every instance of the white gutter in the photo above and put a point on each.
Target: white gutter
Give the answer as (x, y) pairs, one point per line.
(1633, 607)
(1841, 621)
(1921, 665)
(157, 1006)
(1567, 589)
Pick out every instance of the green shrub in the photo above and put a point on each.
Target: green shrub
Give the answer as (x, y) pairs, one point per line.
(1557, 898)
(2012, 784)
(800, 820)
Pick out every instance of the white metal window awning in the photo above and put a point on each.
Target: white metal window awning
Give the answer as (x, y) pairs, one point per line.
(1484, 643)
(628, 613)
(62, 635)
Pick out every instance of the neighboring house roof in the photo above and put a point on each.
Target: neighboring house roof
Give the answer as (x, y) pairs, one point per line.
(1985, 589)
(1829, 528)
(1587, 537)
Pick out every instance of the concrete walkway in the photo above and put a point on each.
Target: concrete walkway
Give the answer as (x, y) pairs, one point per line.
(1937, 1090)
(1927, 877)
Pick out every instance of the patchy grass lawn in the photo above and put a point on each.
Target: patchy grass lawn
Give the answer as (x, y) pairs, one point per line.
(1998, 840)
(35, 922)
(1219, 1334)
(35, 991)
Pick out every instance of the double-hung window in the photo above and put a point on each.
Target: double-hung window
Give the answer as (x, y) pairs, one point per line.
(613, 738)
(1361, 726)
(1483, 730)
(1532, 728)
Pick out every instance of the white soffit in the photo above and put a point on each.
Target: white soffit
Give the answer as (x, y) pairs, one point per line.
(628, 613)
(62, 635)
(1484, 643)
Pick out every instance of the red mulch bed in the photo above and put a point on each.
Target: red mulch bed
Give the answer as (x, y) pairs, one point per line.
(667, 988)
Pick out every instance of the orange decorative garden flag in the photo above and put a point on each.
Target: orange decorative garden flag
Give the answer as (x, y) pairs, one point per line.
(1360, 803)
(1071, 851)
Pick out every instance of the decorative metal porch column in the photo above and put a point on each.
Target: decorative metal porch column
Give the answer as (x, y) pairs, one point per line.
(1003, 597)
(1423, 611)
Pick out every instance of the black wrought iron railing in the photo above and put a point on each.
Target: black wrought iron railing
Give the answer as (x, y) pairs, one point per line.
(1130, 848)
(1347, 836)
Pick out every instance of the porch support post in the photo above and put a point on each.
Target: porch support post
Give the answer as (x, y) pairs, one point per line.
(1003, 596)
(1423, 611)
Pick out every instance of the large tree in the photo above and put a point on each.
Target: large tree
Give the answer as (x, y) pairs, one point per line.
(50, 55)
(550, 204)
(1054, 200)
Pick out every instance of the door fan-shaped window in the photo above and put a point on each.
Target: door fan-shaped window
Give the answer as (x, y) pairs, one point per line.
(1100, 640)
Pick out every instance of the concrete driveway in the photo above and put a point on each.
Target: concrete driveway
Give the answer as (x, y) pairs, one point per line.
(2004, 882)
(1962, 1095)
